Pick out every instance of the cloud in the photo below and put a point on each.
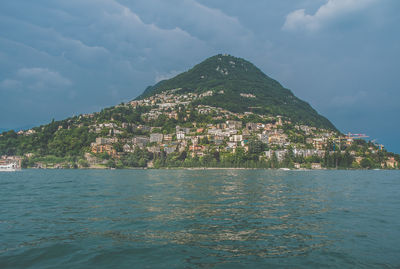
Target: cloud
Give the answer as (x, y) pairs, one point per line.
(164, 76)
(327, 13)
(210, 26)
(43, 78)
(213, 24)
(100, 43)
(36, 78)
(10, 84)
(102, 52)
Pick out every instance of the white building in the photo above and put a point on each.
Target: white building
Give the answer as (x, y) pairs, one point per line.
(236, 138)
(155, 137)
(180, 135)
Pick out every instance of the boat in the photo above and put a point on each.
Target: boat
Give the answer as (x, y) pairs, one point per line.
(284, 169)
(11, 167)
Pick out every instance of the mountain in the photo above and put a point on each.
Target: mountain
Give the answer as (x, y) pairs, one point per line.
(224, 112)
(240, 86)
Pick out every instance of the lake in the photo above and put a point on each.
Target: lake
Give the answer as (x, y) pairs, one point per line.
(199, 218)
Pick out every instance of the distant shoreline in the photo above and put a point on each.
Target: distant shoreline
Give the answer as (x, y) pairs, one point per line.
(210, 168)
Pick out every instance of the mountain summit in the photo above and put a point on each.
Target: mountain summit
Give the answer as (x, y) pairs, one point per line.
(240, 86)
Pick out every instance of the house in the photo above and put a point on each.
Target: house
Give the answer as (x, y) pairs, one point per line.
(309, 140)
(196, 148)
(114, 132)
(251, 126)
(236, 138)
(280, 154)
(221, 125)
(134, 103)
(168, 137)
(279, 122)
(182, 129)
(392, 163)
(207, 93)
(180, 135)
(141, 141)
(104, 141)
(247, 95)
(246, 133)
(109, 149)
(316, 166)
(108, 125)
(101, 141)
(144, 128)
(29, 155)
(308, 152)
(358, 159)
(231, 145)
(15, 161)
(218, 140)
(194, 140)
(170, 149)
(214, 131)
(156, 137)
(231, 132)
(268, 154)
(263, 138)
(268, 127)
(198, 154)
(127, 148)
(319, 143)
(173, 115)
(277, 138)
(154, 149)
(233, 124)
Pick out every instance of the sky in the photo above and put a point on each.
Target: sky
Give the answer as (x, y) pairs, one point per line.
(63, 58)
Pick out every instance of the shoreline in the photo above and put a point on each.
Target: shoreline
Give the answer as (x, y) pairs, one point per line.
(209, 168)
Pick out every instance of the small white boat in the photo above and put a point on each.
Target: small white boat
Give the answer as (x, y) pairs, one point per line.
(284, 169)
(12, 167)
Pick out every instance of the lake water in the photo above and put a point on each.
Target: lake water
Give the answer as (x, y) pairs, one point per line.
(199, 218)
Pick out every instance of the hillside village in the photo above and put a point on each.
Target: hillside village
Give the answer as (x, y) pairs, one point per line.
(170, 130)
(228, 135)
(223, 112)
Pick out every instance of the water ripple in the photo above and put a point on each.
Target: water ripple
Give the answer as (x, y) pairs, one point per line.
(219, 218)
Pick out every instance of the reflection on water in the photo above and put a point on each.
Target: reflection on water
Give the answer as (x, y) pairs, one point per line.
(201, 218)
(260, 216)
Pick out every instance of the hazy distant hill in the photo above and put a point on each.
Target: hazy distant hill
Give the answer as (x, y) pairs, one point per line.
(240, 87)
